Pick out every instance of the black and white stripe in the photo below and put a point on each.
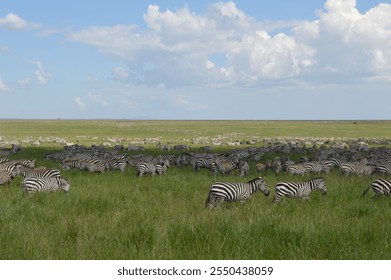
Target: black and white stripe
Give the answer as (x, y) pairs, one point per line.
(32, 185)
(380, 187)
(356, 168)
(299, 189)
(39, 172)
(147, 168)
(239, 191)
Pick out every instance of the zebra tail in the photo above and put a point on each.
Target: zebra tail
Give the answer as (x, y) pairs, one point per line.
(363, 194)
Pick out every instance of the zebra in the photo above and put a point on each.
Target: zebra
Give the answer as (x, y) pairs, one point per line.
(380, 187)
(8, 151)
(39, 172)
(299, 189)
(32, 185)
(230, 192)
(356, 168)
(276, 165)
(114, 163)
(296, 169)
(146, 167)
(244, 168)
(6, 177)
(383, 169)
(315, 167)
(223, 166)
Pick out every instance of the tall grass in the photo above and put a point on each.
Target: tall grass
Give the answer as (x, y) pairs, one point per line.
(119, 216)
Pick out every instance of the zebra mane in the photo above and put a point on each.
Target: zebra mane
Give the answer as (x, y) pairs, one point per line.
(255, 179)
(316, 179)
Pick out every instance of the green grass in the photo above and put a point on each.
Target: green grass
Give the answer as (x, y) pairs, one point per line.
(120, 216)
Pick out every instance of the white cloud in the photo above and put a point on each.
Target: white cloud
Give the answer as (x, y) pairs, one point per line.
(341, 45)
(3, 86)
(13, 21)
(41, 74)
(79, 103)
(24, 82)
(119, 74)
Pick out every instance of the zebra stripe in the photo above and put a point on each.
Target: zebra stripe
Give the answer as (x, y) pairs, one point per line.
(146, 167)
(356, 168)
(32, 185)
(380, 187)
(114, 164)
(315, 167)
(296, 169)
(5, 177)
(40, 172)
(224, 166)
(230, 192)
(299, 189)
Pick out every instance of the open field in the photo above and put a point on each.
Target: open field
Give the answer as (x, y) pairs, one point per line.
(116, 215)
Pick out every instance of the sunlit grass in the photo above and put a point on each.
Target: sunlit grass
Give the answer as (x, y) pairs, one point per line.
(116, 215)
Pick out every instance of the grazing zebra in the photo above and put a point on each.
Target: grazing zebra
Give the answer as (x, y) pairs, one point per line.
(222, 191)
(6, 177)
(383, 169)
(146, 167)
(39, 172)
(49, 184)
(296, 169)
(244, 168)
(276, 166)
(356, 168)
(8, 151)
(315, 167)
(116, 164)
(380, 187)
(299, 189)
(223, 166)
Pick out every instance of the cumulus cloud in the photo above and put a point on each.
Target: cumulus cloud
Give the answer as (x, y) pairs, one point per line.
(41, 74)
(13, 21)
(225, 46)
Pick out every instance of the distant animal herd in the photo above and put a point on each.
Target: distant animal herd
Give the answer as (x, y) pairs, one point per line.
(353, 158)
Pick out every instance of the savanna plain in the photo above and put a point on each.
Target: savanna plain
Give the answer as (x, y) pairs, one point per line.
(117, 215)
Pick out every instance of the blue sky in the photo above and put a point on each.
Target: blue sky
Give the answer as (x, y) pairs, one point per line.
(193, 59)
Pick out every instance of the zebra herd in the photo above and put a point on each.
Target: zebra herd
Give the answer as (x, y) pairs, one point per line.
(35, 179)
(100, 159)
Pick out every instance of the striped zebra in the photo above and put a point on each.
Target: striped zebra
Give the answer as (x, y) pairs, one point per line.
(9, 151)
(315, 167)
(90, 165)
(148, 168)
(6, 177)
(299, 189)
(223, 166)
(383, 169)
(356, 168)
(380, 187)
(116, 164)
(239, 191)
(39, 172)
(296, 169)
(32, 185)
(244, 168)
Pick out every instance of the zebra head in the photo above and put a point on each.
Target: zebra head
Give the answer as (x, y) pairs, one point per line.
(261, 185)
(321, 185)
(64, 185)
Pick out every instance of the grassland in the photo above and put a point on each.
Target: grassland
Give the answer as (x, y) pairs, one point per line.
(119, 216)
